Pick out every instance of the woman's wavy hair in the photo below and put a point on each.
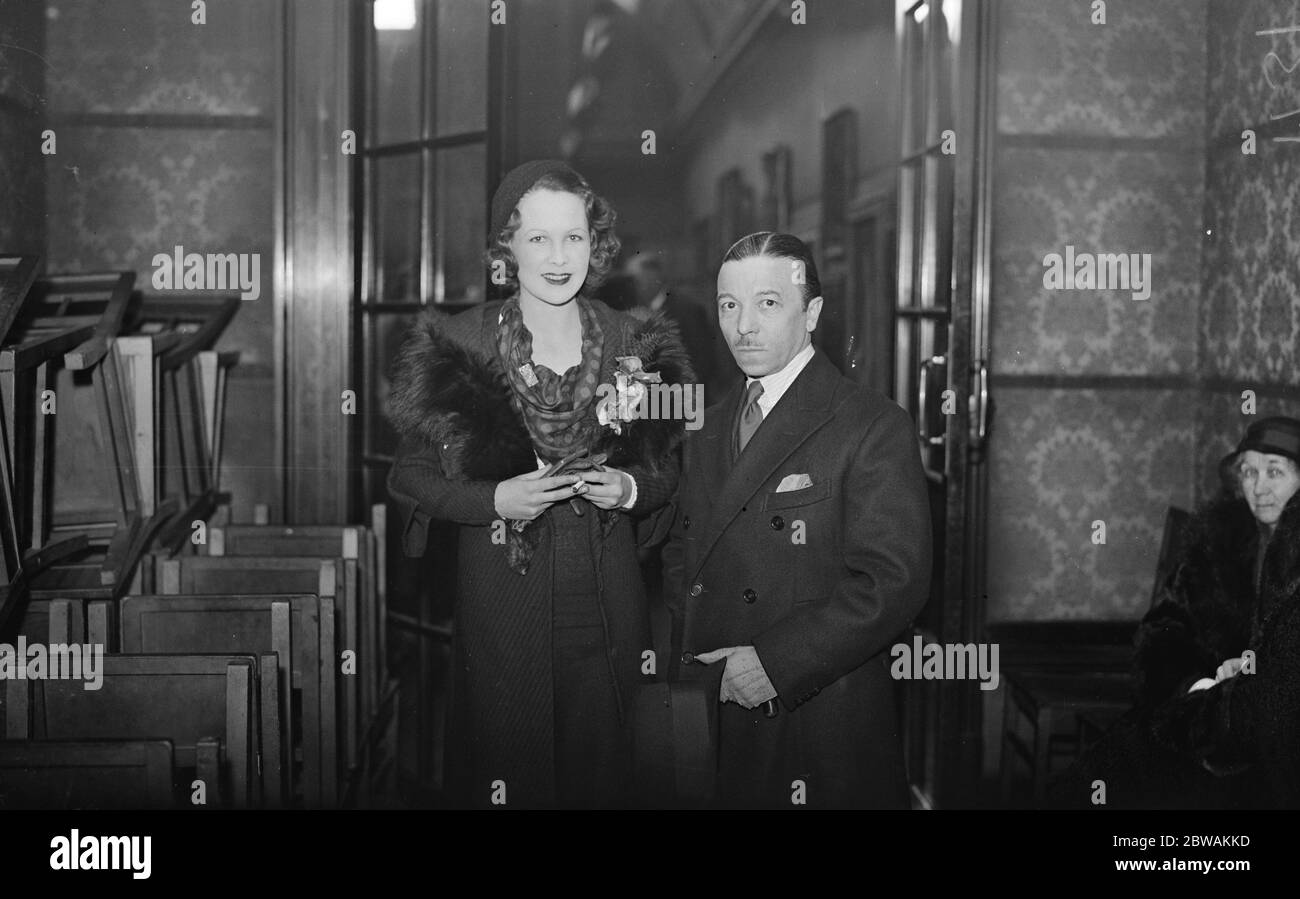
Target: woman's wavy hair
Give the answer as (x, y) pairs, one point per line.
(600, 219)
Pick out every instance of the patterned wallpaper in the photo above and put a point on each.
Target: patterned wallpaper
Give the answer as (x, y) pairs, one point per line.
(120, 195)
(148, 56)
(1142, 74)
(125, 193)
(1061, 459)
(1245, 86)
(1099, 202)
(1225, 305)
(1251, 326)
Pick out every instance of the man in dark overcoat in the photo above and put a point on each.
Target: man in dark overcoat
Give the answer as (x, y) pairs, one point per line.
(799, 553)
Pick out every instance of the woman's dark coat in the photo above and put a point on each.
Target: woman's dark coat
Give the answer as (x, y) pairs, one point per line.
(1251, 722)
(461, 437)
(1237, 744)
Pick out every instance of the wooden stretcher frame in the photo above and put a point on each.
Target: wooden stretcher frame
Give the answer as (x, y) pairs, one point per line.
(72, 319)
(28, 705)
(292, 635)
(114, 757)
(173, 361)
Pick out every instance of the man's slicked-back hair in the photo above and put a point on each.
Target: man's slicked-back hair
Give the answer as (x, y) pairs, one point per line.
(776, 245)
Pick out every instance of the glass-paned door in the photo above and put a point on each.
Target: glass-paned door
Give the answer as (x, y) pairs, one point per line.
(936, 354)
(432, 88)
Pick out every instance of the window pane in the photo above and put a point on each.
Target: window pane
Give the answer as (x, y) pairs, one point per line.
(462, 66)
(396, 199)
(905, 364)
(395, 88)
(940, 168)
(907, 184)
(942, 84)
(914, 75)
(461, 229)
(927, 259)
(912, 233)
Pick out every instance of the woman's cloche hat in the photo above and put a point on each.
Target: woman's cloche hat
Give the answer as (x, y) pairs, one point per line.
(517, 182)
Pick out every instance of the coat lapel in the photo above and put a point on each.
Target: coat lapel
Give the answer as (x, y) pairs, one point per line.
(801, 412)
(716, 436)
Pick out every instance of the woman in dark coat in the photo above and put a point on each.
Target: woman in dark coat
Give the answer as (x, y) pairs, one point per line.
(552, 633)
(1217, 723)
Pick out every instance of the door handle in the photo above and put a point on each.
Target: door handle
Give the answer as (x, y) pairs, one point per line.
(922, 402)
(979, 423)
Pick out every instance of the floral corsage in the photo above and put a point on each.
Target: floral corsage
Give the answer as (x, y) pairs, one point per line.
(621, 401)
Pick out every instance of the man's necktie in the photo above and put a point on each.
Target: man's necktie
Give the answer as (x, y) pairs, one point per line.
(751, 416)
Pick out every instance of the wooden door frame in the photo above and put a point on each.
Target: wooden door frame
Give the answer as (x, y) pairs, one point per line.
(880, 204)
(965, 600)
(314, 333)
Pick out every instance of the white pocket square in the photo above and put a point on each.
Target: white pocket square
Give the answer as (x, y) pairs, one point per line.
(793, 482)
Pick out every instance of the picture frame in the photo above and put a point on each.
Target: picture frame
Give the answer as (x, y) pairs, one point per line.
(777, 199)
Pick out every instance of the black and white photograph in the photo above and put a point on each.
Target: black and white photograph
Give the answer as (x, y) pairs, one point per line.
(415, 411)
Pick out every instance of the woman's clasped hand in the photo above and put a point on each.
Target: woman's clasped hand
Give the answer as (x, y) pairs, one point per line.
(606, 489)
(527, 496)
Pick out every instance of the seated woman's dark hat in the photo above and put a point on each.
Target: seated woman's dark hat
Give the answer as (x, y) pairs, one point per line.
(1279, 436)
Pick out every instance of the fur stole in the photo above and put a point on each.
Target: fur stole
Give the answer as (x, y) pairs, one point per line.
(449, 391)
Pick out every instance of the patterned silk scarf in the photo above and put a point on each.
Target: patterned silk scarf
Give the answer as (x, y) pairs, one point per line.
(554, 407)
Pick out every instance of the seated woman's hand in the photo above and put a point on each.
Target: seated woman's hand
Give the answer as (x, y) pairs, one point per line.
(1229, 668)
(525, 497)
(608, 488)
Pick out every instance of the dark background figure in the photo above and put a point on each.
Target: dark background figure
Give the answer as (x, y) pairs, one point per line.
(654, 291)
(642, 286)
(618, 292)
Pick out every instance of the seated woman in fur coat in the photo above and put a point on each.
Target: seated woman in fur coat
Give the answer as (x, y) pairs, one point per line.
(551, 623)
(1217, 722)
